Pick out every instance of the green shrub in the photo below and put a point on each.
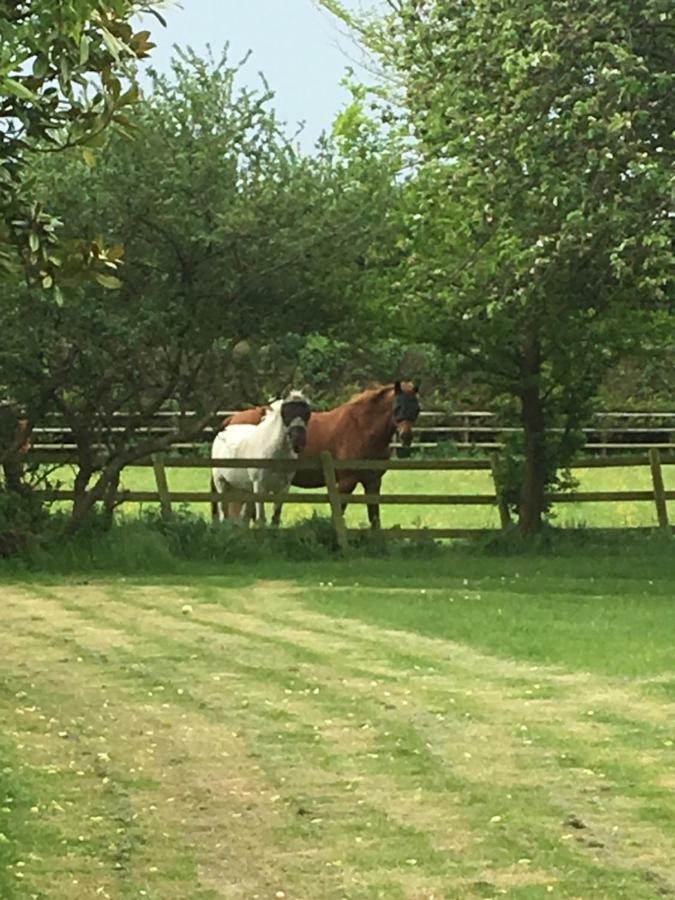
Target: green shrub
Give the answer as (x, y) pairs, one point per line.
(22, 519)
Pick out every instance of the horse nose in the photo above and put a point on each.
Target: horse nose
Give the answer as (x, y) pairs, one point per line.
(405, 434)
(299, 439)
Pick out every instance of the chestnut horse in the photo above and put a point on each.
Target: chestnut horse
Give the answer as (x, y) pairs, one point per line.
(361, 428)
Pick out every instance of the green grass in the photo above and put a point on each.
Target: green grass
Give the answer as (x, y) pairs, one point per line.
(476, 482)
(592, 611)
(458, 726)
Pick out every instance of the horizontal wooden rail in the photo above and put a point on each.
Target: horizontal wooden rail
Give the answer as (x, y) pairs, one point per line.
(617, 462)
(605, 496)
(302, 497)
(425, 413)
(306, 497)
(232, 496)
(667, 446)
(459, 428)
(450, 533)
(352, 465)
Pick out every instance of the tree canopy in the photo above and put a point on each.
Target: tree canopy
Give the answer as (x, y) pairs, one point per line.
(66, 75)
(538, 226)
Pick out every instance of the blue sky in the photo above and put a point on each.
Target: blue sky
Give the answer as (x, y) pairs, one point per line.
(302, 51)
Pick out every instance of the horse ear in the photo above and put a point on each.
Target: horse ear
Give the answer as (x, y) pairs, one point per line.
(397, 387)
(416, 388)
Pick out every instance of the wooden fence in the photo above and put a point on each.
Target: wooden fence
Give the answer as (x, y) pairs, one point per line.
(610, 432)
(331, 496)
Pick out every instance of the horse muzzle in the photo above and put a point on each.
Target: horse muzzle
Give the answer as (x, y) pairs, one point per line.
(404, 429)
(297, 435)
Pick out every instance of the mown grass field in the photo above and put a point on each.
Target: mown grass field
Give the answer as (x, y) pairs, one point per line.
(469, 726)
(623, 514)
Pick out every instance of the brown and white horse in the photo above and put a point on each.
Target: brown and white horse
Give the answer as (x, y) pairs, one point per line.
(361, 428)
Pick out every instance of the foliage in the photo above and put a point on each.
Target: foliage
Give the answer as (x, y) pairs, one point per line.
(539, 238)
(232, 241)
(66, 75)
(23, 520)
(332, 368)
(150, 543)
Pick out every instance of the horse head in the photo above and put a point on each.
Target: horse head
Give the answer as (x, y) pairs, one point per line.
(406, 410)
(295, 412)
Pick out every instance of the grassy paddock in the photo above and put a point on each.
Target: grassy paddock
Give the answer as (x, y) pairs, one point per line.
(627, 514)
(470, 725)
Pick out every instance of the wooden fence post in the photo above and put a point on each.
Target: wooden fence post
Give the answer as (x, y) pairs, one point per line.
(502, 506)
(659, 490)
(162, 486)
(335, 503)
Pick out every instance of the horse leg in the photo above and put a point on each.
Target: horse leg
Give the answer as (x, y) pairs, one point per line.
(219, 509)
(234, 511)
(346, 487)
(276, 515)
(259, 488)
(216, 511)
(372, 486)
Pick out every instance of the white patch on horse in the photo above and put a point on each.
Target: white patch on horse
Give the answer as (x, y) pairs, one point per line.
(272, 438)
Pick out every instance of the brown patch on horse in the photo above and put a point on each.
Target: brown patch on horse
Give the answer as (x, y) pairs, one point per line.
(251, 416)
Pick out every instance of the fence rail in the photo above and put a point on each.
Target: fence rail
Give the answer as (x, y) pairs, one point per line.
(331, 469)
(609, 432)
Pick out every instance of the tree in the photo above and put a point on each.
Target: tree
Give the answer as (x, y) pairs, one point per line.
(66, 74)
(232, 241)
(539, 237)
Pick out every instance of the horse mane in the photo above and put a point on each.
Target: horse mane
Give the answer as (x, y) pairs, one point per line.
(374, 392)
(295, 397)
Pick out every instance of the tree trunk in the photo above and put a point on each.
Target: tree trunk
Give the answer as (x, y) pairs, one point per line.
(110, 502)
(83, 501)
(532, 492)
(105, 490)
(13, 472)
(12, 459)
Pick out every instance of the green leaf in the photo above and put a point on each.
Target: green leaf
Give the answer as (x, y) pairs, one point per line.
(84, 49)
(115, 252)
(111, 282)
(89, 157)
(40, 65)
(12, 86)
(115, 47)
